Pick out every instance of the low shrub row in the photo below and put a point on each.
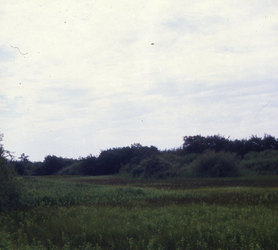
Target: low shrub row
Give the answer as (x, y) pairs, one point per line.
(206, 165)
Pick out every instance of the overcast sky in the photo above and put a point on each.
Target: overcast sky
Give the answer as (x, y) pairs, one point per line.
(80, 76)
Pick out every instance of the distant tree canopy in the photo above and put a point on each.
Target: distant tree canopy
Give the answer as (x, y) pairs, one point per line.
(111, 160)
(3, 160)
(108, 162)
(52, 164)
(20, 166)
(198, 144)
(89, 166)
(143, 161)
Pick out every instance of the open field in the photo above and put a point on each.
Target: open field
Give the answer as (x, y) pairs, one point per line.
(121, 213)
(180, 184)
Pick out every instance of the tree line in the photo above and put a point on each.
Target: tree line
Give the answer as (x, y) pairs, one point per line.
(198, 144)
(108, 162)
(138, 160)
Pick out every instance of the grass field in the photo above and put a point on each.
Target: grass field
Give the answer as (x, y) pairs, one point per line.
(114, 212)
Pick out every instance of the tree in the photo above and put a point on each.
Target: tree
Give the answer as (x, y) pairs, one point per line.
(52, 164)
(20, 166)
(23, 158)
(89, 166)
(194, 144)
(269, 142)
(111, 160)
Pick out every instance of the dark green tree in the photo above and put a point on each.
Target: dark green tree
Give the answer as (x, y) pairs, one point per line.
(52, 164)
(194, 144)
(20, 166)
(198, 144)
(269, 142)
(111, 160)
(89, 166)
(24, 158)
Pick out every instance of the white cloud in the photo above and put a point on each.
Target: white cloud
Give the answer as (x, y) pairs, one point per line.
(81, 77)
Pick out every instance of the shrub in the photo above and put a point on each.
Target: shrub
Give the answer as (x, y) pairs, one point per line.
(74, 169)
(128, 168)
(137, 171)
(263, 163)
(19, 168)
(10, 190)
(211, 164)
(155, 167)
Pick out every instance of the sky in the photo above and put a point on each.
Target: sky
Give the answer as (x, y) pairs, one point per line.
(78, 77)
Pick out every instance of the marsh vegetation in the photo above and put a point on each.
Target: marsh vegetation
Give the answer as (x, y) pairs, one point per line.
(126, 213)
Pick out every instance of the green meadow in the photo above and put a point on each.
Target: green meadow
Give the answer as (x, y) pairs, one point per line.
(113, 212)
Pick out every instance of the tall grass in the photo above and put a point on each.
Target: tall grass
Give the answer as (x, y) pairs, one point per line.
(44, 192)
(194, 226)
(62, 214)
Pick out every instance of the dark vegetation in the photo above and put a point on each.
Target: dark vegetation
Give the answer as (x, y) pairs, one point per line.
(10, 191)
(211, 156)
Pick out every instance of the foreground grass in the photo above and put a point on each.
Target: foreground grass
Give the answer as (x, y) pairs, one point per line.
(64, 214)
(139, 227)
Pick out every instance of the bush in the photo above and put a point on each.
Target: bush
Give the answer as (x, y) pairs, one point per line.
(137, 171)
(10, 190)
(128, 168)
(74, 169)
(262, 163)
(211, 164)
(156, 167)
(19, 168)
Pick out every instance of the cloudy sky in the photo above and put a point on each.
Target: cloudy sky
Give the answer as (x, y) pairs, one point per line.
(80, 76)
